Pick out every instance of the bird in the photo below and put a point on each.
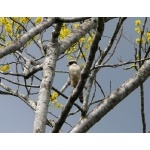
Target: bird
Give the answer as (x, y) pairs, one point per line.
(74, 75)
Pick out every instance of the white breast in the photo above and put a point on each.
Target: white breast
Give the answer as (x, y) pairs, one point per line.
(74, 73)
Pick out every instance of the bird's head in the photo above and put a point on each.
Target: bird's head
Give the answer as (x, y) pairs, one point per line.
(72, 62)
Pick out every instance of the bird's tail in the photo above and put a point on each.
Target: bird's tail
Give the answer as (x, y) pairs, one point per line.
(81, 97)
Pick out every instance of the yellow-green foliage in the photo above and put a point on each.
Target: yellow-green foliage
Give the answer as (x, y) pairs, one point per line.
(53, 100)
(15, 27)
(146, 35)
(84, 42)
(5, 68)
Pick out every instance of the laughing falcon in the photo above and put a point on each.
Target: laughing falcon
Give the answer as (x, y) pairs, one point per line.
(74, 74)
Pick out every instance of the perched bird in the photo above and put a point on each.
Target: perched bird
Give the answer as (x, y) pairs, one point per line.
(74, 74)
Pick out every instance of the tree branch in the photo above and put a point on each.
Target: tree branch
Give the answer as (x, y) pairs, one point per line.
(76, 34)
(26, 99)
(26, 37)
(142, 108)
(70, 19)
(84, 76)
(93, 73)
(113, 99)
(49, 65)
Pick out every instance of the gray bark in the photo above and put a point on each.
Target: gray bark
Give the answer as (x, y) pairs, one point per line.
(49, 65)
(45, 88)
(84, 76)
(26, 37)
(113, 99)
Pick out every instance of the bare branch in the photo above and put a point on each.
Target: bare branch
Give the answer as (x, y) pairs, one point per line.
(106, 19)
(84, 76)
(57, 117)
(93, 73)
(26, 99)
(142, 86)
(60, 93)
(119, 64)
(113, 99)
(121, 30)
(56, 32)
(49, 65)
(76, 34)
(24, 29)
(20, 84)
(26, 37)
(142, 108)
(100, 88)
(65, 85)
(31, 71)
(73, 113)
(70, 19)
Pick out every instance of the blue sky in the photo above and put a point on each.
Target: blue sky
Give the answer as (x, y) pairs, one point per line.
(17, 117)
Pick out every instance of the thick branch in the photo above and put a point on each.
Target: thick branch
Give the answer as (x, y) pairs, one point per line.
(76, 34)
(26, 37)
(49, 65)
(31, 71)
(84, 76)
(93, 73)
(113, 99)
(70, 19)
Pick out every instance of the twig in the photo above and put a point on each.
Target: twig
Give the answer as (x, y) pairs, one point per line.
(57, 117)
(121, 30)
(118, 65)
(73, 113)
(20, 84)
(24, 29)
(100, 88)
(84, 76)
